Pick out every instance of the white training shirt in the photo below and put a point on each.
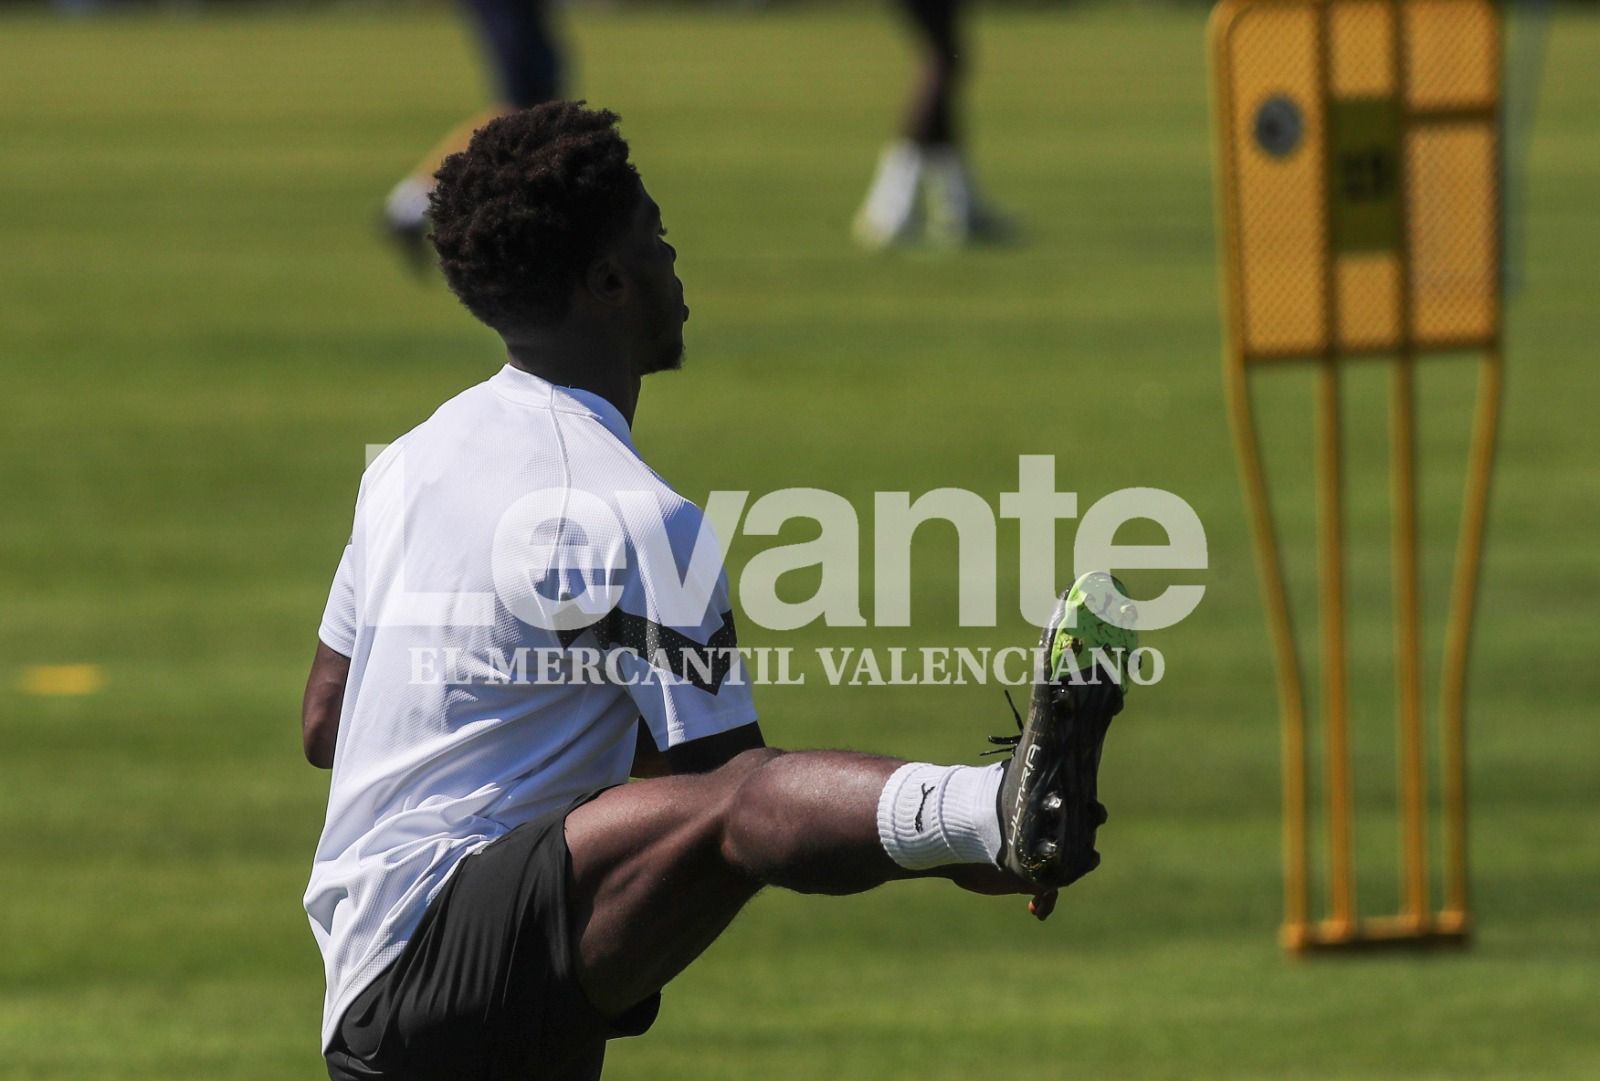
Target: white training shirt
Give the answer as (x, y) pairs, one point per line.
(468, 710)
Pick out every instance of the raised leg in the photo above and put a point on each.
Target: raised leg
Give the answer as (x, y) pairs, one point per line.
(661, 867)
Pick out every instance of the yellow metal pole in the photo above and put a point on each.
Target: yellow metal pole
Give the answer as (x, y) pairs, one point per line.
(1330, 542)
(1247, 446)
(1330, 557)
(1458, 641)
(1408, 645)
(1455, 917)
(1407, 588)
(1291, 693)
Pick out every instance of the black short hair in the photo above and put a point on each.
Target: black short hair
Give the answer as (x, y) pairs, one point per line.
(518, 215)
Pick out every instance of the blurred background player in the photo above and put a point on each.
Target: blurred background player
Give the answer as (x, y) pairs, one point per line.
(927, 160)
(528, 64)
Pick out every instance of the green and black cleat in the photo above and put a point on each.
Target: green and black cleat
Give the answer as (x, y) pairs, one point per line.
(1049, 809)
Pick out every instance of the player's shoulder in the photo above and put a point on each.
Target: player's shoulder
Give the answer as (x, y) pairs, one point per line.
(458, 409)
(649, 508)
(681, 518)
(602, 457)
(649, 504)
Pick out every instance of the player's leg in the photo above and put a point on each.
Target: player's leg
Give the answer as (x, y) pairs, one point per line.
(930, 120)
(405, 211)
(518, 37)
(527, 61)
(889, 214)
(956, 213)
(661, 867)
(555, 937)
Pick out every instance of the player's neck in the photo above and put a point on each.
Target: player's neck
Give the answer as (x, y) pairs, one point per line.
(582, 367)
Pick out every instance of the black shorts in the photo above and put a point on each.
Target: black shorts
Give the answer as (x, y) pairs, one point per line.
(526, 56)
(487, 987)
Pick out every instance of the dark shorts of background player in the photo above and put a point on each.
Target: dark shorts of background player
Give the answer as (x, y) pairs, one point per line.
(525, 53)
(487, 989)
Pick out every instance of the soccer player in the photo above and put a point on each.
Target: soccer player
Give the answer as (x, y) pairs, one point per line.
(927, 161)
(528, 63)
(490, 898)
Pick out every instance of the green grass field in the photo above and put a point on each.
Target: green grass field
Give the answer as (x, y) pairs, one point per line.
(199, 332)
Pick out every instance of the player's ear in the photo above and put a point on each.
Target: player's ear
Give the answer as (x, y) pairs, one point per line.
(605, 281)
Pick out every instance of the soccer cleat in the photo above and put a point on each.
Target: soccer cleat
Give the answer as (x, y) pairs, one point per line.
(1049, 809)
(957, 215)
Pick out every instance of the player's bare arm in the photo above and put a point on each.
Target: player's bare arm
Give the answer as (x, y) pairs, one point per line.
(319, 709)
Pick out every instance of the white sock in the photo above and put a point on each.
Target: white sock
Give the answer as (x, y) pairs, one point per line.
(931, 816)
(407, 205)
(892, 200)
